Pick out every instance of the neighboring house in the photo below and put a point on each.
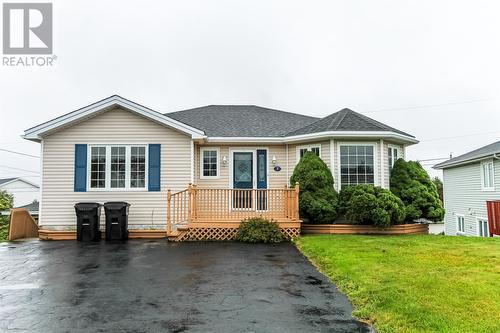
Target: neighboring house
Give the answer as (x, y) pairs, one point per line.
(236, 155)
(24, 191)
(469, 181)
(32, 208)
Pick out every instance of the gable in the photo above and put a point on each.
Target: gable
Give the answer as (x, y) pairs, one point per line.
(38, 132)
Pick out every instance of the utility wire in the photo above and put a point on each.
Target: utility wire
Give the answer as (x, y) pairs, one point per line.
(431, 105)
(8, 167)
(18, 153)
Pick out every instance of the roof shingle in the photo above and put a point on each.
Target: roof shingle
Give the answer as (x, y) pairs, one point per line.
(493, 148)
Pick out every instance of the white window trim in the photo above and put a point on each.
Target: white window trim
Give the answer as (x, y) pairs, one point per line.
(484, 188)
(479, 218)
(376, 154)
(309, 148)
(461, 233)
(202, 149)
(127, 187)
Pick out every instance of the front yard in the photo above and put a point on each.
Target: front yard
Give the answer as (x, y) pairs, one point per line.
(414, 283)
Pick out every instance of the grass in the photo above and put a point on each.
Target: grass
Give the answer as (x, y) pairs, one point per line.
(414, 283)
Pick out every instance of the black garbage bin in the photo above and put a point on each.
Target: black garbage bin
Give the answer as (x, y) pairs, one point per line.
(87, 221)
(116, 220)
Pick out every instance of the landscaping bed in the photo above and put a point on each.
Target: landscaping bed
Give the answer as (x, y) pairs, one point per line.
(417, 283)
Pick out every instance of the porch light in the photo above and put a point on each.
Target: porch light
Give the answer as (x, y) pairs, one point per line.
(224, 159)
(274, 160)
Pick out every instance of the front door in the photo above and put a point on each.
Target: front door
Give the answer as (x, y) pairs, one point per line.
(242, 179)
(261, 179)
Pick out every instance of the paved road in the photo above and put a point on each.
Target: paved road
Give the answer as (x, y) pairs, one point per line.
(156, 286)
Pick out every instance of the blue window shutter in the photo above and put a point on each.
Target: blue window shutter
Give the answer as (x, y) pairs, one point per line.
(154, 167)
(80, 168)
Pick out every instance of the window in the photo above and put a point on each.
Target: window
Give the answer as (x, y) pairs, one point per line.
(117, 167)
(487, 176)
(393, 156)
(356, 165)
(137, 167)
(98, 167)
(303, 149)
(460, 224)
(482, 228)
(209, 163)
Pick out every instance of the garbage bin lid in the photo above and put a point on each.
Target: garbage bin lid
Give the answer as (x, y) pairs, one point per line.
(116, 204)
(87, 205)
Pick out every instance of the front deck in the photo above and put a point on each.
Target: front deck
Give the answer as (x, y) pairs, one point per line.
(208, 213)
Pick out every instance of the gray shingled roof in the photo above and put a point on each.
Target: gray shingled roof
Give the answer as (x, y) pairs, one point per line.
(6, 180)
(255, 121)
(241, 120)
(32, 207)
(485, 151)
(346, 120)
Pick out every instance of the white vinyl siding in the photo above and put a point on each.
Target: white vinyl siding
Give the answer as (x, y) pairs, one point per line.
(114, 127)
(463, 195)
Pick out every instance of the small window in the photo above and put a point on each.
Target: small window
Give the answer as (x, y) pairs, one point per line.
(313, 148)
(209, 163)
(137, 167)
(460, 224)
(98, 167)
(487, 176)
(393, 156)
(482, 225)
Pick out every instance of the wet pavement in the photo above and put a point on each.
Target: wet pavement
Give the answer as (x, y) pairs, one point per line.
(156, 286)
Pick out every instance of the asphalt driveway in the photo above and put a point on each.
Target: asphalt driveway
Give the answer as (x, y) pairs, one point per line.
(156, 286)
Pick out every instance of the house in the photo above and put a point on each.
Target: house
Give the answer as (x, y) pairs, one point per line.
(24, 191)
(469, 181)
(237, 158)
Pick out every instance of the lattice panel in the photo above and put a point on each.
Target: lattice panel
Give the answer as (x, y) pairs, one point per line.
(224, 234)
(291, 232)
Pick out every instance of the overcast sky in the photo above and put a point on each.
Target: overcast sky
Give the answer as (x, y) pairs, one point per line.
(430, 68)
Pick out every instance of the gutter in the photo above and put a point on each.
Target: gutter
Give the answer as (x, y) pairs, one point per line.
(477, 159)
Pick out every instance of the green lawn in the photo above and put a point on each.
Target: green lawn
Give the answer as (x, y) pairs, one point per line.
(414, 283)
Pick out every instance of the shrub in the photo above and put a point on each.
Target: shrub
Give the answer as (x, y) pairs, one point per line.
(411, 183)
(368, 204)
(259, 230)
(318, 199)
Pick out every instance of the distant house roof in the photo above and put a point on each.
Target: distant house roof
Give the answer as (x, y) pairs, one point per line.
(480, 153)
(346, 120)
(5, 181)
(32, 207)
(241, 120)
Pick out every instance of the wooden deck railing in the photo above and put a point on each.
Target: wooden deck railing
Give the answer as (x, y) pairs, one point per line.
(231, 205)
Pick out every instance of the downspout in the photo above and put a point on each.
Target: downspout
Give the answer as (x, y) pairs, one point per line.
(40, 201)
(382, 169)
(192, 161)
(496, 157)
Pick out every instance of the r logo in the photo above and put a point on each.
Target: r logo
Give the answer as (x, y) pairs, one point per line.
(27, 28)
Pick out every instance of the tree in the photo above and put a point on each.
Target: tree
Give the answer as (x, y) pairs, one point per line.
(318, 199)
(439, 186)
(6, 200)
(368, 204)
(411, 183)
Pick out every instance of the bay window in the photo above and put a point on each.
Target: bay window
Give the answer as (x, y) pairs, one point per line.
(356, 164)
(117, 167)
(301, 150)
